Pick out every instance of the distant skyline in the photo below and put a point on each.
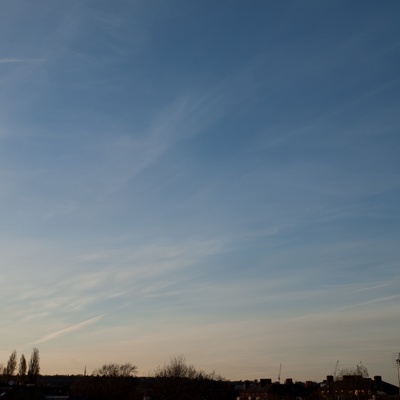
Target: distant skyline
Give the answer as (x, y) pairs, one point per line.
(218, 180)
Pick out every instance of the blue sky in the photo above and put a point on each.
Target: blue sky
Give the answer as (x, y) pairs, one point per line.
(218, 180)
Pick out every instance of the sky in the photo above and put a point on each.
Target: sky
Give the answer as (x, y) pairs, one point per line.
(213, 179)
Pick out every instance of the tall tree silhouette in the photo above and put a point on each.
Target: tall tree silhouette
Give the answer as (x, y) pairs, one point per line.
(11, 364)
(34, 366)
(22, 369)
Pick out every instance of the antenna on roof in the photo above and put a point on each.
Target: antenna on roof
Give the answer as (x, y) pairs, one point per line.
(279, 375)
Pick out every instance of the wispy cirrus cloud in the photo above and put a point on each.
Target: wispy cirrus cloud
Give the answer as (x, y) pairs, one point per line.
(69, 329)
(13, 60)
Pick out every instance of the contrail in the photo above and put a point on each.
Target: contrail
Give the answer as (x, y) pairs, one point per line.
(71, 328)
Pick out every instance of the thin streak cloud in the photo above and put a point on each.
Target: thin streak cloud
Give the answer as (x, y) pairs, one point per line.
(72, 328)
(19, 60)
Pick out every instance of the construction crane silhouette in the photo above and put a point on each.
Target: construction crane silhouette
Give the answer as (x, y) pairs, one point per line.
(335, 370)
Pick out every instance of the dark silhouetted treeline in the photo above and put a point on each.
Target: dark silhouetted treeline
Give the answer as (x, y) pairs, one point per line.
(154, 388)
(176, 380)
